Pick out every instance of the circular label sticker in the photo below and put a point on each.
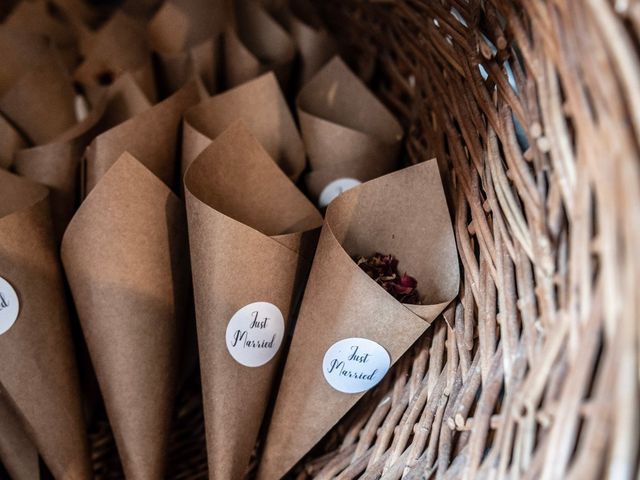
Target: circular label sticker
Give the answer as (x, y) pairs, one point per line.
(335, 188)
(355, 365)
(255, 333)
(9, 306)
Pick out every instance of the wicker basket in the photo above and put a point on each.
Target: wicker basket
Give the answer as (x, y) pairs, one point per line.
(533, 111)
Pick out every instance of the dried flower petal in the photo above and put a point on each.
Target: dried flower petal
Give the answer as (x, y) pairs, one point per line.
(384, 270)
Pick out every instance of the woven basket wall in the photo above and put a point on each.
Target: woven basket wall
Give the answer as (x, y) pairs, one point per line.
(533, 111)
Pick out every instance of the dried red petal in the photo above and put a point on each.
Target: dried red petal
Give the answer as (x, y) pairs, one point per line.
(384, 270)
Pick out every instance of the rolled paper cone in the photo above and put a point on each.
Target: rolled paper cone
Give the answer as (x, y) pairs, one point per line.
(21, 52)
(185, 36)
(342, 302)
(10, 142)
(37, 363)
(262, 107)
(126, 261)
(41, 103)
(125, 99)
(44, 18)
(252, 235)
(206, 18)
(152, 136)
(257, 45)
(18, 454)
(315, 44)
(57, 164)
(200, 60)
(119, 46)
(344, 126)
(168, 30)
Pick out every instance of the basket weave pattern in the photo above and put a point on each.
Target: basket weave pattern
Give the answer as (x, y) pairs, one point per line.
(533, 111)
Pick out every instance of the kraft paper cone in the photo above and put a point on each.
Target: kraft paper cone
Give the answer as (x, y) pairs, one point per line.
(126, 261)
(341, 301)
(10, 142)
(37, 363)
(41, 103)
(251, 234)
(119, 46)
(315, 45)
(17, 453)
(345, 128)
(153, 137)
(185, 36)
(45, 18)
(257, 45)
(206, 17)
(20, 52)
(57, 164)
(263, 109)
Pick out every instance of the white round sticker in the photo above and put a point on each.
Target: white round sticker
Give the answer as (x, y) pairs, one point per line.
(335, 188)
(255, 333)
(9, 306)
(354, 365)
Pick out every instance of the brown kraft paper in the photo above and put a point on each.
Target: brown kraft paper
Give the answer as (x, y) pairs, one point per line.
(41, 103)
(17, 452)
(251, 234)
(347, 132)
(341, 301)
(21, 52)
(38, 371)
(257, 44)
(153, 137)
(185, 36)
(262, 107)
(119, 46)
(314, 44)
(44, 18)
(126, 261)
(10, 142)
(56, 164)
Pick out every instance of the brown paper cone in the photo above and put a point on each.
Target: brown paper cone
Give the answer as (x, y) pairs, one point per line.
(249, 231)
(258, 44)
(200, 60)
(345, 127)
(37, 363)
(125, 256)
(17, 452)
(119, 46)
(168, 30)
(56, 164)
(263, 109)
(315, 45)
(20, 52)
(41, 103)
(10, 142)
(341, 301)
(185, 35)
(44, 18)
(152, 137)
(206, 17)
